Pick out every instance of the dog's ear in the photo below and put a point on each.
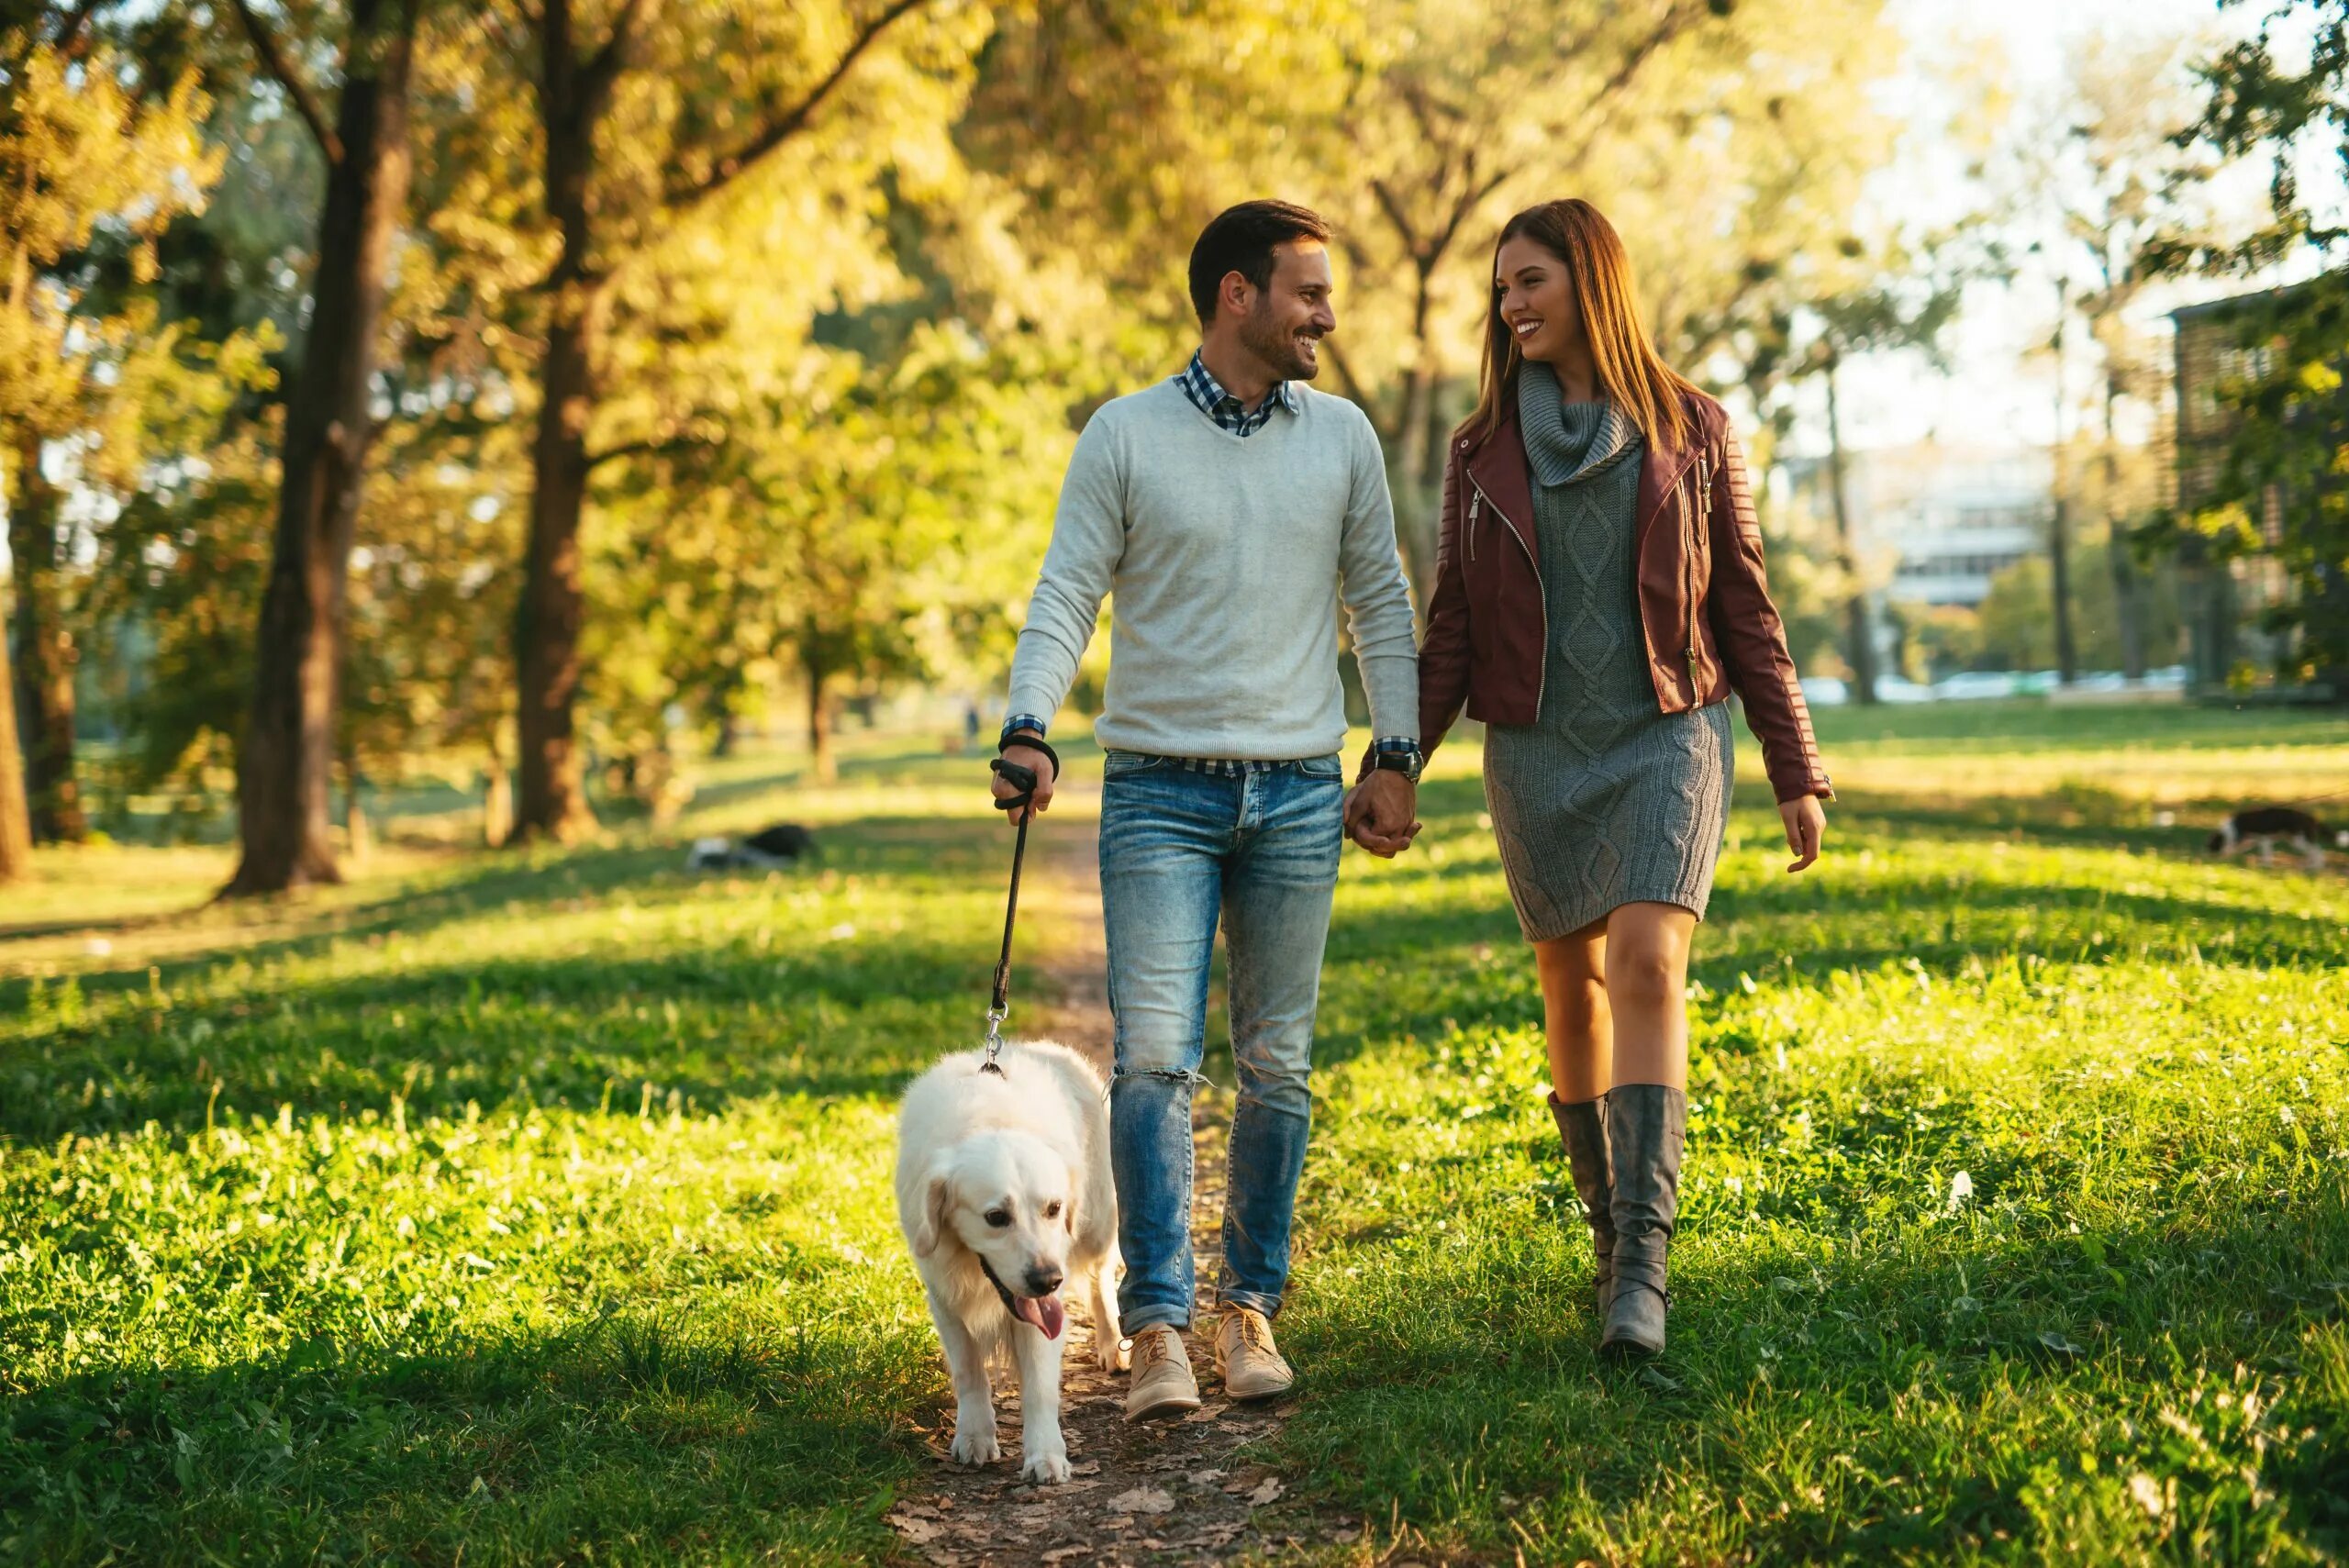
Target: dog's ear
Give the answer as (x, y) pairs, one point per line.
(1068, 1211)
(929, 1225)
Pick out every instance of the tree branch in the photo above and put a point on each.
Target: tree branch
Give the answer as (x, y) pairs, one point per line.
(1393, 208)
(608, 61)
(664, 446)
(792, 121)
(280, 70)
(1355, 390)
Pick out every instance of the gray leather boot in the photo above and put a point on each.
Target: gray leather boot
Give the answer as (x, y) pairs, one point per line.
(1582, 1127)
(1646, 1124)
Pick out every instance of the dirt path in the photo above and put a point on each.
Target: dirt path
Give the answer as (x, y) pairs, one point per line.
(1184, 1493)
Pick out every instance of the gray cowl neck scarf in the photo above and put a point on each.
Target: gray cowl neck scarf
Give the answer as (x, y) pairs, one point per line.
(1567, 442)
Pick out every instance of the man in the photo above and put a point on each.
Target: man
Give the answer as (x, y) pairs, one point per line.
(1228, 509)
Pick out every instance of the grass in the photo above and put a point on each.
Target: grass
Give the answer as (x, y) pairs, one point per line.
(521, 1209)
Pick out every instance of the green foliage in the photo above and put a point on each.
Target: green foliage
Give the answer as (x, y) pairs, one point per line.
(529, 1203)
(2292, 434)
(2015, 625)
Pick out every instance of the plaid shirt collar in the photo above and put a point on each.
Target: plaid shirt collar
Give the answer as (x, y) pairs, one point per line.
(1200, 384)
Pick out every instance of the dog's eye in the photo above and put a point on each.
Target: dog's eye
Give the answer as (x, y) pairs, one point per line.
(998, 1217)
(1051, 1211)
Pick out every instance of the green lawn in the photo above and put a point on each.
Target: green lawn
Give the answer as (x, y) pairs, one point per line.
(502, 1209)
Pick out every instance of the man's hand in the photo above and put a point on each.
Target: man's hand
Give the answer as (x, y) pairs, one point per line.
(1035, 762)
(1806, 822)
(1382, 813)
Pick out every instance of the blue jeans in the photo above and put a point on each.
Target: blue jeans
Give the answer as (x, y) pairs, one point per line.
(1186, 844)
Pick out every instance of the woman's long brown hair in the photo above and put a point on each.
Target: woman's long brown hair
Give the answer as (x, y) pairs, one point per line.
(1629, 370)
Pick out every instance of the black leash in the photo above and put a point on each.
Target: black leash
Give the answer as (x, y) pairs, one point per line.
(1024, 781)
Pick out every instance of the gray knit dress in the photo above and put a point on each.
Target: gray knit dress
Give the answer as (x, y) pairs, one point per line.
(1601, 800)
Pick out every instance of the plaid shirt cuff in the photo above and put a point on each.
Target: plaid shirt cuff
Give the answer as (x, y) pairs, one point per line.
(1018, 721)
(1388, 743)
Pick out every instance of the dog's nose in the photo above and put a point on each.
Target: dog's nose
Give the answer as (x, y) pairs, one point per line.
(1043, 1282)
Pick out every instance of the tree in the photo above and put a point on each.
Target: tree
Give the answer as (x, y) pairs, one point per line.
(2109, 165)
(285, 763)
(648, 123)
(2292, 436)
(95, 163)
(1904, 307)
(1726, 141)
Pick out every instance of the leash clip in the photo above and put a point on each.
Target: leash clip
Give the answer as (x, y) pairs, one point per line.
(994, 1043)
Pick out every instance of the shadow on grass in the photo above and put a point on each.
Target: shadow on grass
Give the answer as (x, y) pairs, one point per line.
(485, 883)
(658, 1437)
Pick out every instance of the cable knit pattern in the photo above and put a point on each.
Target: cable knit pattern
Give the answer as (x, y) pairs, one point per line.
(1602, 800)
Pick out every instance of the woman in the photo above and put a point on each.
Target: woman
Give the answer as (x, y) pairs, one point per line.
(1599, 595)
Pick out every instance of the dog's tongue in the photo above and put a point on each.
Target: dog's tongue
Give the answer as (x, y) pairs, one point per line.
(1045, 1311)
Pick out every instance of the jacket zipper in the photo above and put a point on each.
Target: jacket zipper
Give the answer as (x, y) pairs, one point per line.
(1474, 501)
(1701, 498)
(1542, 681)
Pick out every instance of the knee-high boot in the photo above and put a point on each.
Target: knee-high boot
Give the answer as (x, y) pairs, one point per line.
(1646, 1124)
(1582, 1127)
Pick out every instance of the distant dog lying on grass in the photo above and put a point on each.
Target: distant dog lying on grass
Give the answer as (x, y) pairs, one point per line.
(2267, 826)
(784, 844)
(1005, 1194)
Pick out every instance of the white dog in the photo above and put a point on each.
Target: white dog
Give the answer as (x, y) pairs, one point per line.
(1004, 1193)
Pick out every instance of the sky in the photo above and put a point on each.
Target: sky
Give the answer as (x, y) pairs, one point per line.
(2000, 389)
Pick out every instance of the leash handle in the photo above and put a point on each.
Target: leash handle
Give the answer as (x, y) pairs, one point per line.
(1021, 779)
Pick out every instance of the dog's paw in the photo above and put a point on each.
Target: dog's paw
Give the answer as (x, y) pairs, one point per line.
(977, 1445)
(1049, 1466)
(1111, 1354)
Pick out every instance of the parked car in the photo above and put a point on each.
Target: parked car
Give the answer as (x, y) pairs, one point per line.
(1975, 684)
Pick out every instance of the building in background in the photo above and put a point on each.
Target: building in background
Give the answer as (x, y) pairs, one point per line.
(1933, 523)
(1936, 522)
(2224, 600)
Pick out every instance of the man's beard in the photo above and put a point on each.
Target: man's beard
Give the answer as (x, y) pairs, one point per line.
(1276, 346)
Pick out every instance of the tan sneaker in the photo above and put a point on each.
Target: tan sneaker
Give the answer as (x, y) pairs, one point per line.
(1161, 1382)
(1252, 1364)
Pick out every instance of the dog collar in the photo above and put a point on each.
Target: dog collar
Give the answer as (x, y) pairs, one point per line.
(1000, 1288)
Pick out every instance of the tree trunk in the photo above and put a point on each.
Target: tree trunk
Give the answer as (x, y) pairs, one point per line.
(2059, 579)
(285, 765)
(2059, 529)
(497, 802)
(16, 821)
(45, 655)
(553, 796)
(1416, 524)
(357, 838)
(822, 765)
(2127, 606)
(1859, 633)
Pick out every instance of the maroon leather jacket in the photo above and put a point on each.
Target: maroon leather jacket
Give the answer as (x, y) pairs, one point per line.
(1704, 600)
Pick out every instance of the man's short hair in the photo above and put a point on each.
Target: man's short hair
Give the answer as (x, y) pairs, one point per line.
(1240, 239)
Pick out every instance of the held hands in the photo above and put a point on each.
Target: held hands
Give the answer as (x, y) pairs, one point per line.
(1806, 822)
(1382, 813)
(1036, 763)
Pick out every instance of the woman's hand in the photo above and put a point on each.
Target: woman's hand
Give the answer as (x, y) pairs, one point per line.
(1806, 822)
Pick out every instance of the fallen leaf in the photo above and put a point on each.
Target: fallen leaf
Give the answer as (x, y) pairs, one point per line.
(1204, 1478)
(1090, 1467)
(1205, 1413)
(1143, 1500)
(1269, 1491)
(920, 1531)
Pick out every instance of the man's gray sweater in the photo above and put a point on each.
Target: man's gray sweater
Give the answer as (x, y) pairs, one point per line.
(1227, 556)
